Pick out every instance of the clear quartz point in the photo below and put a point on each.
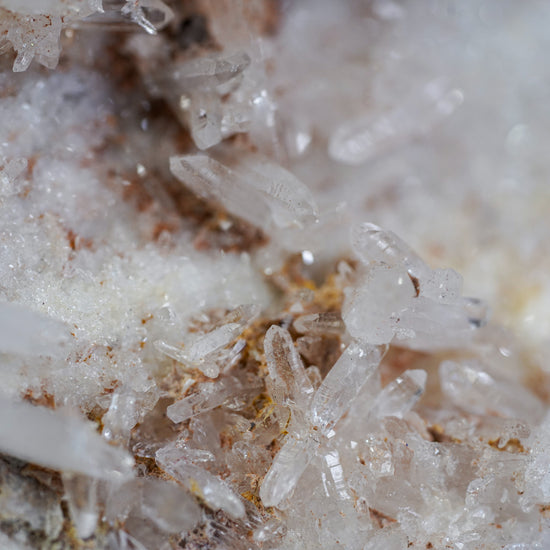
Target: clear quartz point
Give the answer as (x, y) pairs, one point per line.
(320, 323)
(401, 395)
(342, 384)
(255, 189)
(209, 396)
(56, 440)
(199, 481)
(372, 244)
(210, 350)
(286, 470)
(206, 73)
(141, 11)
(289, 383)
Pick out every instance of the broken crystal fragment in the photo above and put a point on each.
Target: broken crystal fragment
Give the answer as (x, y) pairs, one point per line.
(205, 119)
(372, 313)
(56, 440)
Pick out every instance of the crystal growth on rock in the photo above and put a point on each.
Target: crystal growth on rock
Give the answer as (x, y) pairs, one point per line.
(274, 274)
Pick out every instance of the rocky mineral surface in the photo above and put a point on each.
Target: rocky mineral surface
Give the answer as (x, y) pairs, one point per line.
(274, 274)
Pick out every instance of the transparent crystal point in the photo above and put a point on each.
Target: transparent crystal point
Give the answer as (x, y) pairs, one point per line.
(401, 395)
(254, 188)
(211, 350)
(206, 73)
(212, 180)
(59, 441)
(141, 12)
(208, 396)
(200, 482)
(286, 469)
(342, 384)
(373, 244)
(320, 323)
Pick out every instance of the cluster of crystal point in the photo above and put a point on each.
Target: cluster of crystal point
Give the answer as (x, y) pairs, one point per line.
(227, 319)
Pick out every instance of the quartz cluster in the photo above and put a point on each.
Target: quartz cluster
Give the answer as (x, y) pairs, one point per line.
(231, 308)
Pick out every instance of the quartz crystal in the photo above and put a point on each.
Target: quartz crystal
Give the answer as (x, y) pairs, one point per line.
(57, 440)
(274, 275)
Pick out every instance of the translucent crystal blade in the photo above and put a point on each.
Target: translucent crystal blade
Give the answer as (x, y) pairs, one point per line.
(208, 396)
(288, 379)
(286, 470)
(373, 311)
(320, 323)
(212, 180)
(254, 188)
(214, 341)
(201, 482)
(469, 386)
(289, 200)
(401, 395)
(366, 137)
(209, 72)
(372, 244)
(55, 440)
(342, 384)
(170, 507)
(23, 331)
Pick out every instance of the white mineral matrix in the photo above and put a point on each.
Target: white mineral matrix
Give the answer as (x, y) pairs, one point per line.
(274, 274)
